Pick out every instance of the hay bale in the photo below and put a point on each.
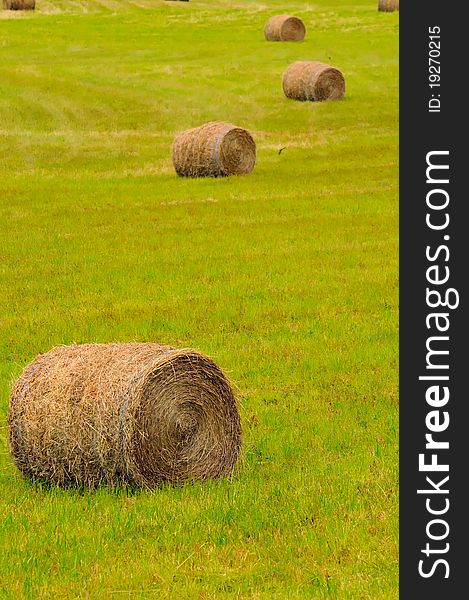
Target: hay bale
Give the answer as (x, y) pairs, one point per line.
(131, 413)
(314, 81)
(284, 28)
(388, 5)
(215, 149)
(19, 4)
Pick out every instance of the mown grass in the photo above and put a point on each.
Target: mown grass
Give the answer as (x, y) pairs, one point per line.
(287, 277)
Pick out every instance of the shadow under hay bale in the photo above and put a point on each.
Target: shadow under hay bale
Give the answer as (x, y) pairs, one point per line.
(388, 5)
(284, 28)
(19, 4)
(215, 149)
(313, 81)
(136, 414)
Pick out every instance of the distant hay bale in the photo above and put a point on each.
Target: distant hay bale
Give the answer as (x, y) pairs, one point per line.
(314, 81)
(215, 149)
(19, 4)
(116, 414)
(284, 28)
(388, 5)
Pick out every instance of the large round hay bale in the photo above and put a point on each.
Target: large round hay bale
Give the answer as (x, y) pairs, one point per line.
(388, 5)
(215, 149)
(131, 413)
(19, 4)
(284, 28)
(314, 81)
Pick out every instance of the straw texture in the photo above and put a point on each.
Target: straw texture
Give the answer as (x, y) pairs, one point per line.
(131, 413)
(19, 4)
(215, 149)
(314, 81)
(284, 28)
(388, 5)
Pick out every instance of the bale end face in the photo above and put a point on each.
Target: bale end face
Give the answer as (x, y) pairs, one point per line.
(284, 28)
(215, 149)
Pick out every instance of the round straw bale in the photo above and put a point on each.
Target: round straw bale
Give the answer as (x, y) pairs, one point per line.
(19, 4)
(315, 81)
(284, 28)
(215, 149)
(133, 413)
(388, 5)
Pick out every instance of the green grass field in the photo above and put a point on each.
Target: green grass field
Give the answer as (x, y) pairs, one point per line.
(287, 277)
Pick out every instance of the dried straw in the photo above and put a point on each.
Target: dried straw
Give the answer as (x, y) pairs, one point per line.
(388, 5)
(314, 81)
(131, 413)
(19, 4)
(215, 149)
(284, 28)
